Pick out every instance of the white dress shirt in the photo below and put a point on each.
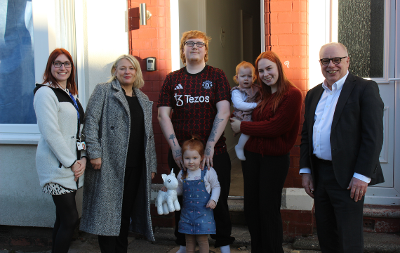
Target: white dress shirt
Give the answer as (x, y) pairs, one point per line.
(323, 123)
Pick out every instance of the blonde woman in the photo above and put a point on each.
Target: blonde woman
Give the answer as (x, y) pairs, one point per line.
(120, 146)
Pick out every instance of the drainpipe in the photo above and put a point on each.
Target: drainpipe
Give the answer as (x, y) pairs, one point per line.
(267, 16)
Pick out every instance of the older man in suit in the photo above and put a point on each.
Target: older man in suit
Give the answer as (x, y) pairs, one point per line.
(341, 141)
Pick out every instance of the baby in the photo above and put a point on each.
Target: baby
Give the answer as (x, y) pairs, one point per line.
(244, 98)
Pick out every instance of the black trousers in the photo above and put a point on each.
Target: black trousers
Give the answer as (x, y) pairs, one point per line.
(264, 177)
(119, 244)
(222, 165)
(339, 218)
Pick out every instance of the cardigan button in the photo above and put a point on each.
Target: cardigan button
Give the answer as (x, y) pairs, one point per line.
(112, 127)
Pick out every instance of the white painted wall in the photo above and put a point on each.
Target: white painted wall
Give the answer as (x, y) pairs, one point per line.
(319, 34)
(22, 202)
(106, 38)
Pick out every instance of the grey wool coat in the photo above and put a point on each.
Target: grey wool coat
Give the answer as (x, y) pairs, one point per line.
(107, 132)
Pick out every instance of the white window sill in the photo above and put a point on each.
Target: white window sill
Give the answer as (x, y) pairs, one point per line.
(19, 138)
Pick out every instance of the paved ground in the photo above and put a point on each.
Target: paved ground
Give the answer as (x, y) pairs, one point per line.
(87, 243)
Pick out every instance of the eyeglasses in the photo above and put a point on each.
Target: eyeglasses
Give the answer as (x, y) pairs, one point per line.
(192, 43)
(335, 60)
(58, 64)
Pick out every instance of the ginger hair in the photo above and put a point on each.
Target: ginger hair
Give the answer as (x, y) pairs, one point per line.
(246, 65)
(283, 84)
(194, 34)
(194, 143)
(49, 78)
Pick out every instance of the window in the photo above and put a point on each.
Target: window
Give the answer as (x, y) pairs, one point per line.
(31, 30)
(361, 29)
(17, 76)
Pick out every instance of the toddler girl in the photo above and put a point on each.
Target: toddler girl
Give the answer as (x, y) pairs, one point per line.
(244, 98)
(197, 217)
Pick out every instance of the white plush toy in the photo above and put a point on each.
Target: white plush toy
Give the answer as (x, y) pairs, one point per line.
(168, 201)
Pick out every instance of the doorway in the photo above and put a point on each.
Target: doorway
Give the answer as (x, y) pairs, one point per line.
(234, 27)
(235, 31)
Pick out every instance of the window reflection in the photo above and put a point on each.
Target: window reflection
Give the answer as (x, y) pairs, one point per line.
(17, 78)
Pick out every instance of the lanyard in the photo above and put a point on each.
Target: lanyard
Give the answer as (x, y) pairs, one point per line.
(76, 106)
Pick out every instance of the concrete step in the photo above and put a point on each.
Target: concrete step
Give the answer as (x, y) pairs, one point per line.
(377, 218)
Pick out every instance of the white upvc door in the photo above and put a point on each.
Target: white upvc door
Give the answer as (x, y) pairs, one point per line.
(396, 81)
(324, 28)
(387, 193)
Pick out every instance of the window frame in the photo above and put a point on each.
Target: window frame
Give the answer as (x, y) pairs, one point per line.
(45, 40)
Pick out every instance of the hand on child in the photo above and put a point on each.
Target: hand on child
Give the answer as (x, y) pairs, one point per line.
(177, 155)
(164, 189)
(211, 204)
(208, 157)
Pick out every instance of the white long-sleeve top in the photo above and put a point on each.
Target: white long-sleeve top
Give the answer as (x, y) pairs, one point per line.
(238, 101)
(210, 180)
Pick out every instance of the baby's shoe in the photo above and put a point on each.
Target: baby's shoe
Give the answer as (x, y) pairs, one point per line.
(240, 153)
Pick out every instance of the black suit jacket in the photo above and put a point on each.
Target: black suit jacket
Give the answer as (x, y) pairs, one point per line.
(356, 133)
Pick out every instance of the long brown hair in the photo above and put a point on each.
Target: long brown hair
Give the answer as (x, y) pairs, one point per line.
(282, 83)
(193, 144)
(49, 78)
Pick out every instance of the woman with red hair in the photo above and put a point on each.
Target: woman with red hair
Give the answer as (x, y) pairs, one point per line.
(58, 157)
(273, 132)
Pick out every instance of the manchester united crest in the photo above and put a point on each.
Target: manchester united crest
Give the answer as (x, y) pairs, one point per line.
(207, 85)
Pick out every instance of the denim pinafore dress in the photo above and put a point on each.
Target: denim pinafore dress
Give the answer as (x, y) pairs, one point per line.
(196, 219)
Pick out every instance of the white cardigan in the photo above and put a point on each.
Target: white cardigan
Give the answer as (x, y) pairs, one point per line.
(56, 151)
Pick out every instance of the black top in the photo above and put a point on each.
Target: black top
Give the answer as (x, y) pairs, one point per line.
(135, 154)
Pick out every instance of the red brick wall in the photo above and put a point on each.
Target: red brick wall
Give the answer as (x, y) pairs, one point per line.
(154, 40)
(289, 39)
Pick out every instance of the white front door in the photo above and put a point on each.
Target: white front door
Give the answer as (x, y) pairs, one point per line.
(370, 30)
(375, 59)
